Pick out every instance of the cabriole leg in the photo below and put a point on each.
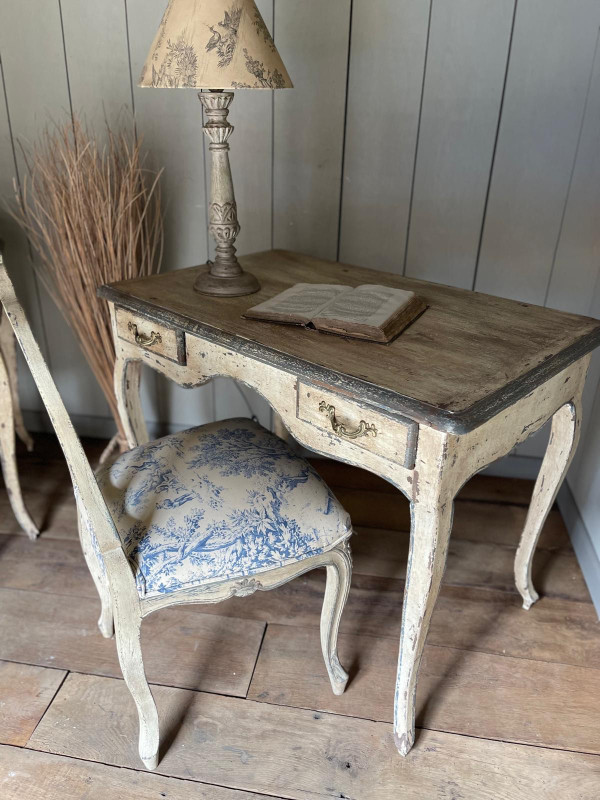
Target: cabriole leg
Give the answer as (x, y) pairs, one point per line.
(339, 574)
(430, 533)
(127, 630)
(561, 448)
(8, 455)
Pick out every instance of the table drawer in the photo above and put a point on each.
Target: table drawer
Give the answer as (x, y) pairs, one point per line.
(394, 438)
(150, 335)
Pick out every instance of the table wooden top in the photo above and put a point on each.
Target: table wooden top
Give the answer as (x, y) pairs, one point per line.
(466, 358)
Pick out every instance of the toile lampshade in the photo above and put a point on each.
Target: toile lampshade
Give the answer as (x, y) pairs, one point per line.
(214, 44)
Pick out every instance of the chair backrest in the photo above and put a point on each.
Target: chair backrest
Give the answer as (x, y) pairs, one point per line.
(88, 495)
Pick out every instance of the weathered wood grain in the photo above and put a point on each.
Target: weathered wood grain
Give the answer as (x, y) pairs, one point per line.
(384, 553)
(25, 694)
(181, 647)
(511, 699)
(467, 617)
(520, 346)
(42, 776)
(474, 521)
(302, 753)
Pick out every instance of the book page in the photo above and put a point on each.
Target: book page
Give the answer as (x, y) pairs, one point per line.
(368, 304)
(301, 302)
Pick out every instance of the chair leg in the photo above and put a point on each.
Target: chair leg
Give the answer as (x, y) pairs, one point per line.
(9, 351)
(561, 448)
(8, 455)
(127, 630)
(98, 573)
(339, 573)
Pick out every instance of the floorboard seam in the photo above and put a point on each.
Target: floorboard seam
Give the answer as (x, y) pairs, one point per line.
(135, 770)
(58, 688)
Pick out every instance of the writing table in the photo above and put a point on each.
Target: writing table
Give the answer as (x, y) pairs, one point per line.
(466, 382)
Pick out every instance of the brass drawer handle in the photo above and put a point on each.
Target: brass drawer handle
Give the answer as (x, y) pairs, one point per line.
(144, 341)
(364, 429)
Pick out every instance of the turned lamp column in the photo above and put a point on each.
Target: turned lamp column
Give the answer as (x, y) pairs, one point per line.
(225, 276)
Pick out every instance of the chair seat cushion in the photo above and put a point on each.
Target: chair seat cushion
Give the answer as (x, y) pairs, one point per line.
(218, 502)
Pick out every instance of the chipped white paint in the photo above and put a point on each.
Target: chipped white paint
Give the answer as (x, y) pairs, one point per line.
(11, 422)
(443, 463)
(122, 607)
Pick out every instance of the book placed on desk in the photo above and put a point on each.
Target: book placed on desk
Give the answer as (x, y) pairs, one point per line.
(373, 312)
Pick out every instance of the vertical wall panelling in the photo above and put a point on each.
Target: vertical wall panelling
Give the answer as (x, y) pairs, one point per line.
(97, 58)
(100, 89)
(252, 165)
(312, 37)
(466, 66)
(552, 53)
(577, 258)
(387, 60)
(17, 252)
(37, 91)
(574, 279)
(170, 123)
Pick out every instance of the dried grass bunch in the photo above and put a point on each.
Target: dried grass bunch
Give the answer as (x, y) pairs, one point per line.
(92, 213)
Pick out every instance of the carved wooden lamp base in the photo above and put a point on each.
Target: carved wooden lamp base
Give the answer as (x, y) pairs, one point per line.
(225, 277)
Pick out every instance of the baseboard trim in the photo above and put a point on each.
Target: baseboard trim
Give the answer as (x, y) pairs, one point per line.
(92, 426)
(581, 540)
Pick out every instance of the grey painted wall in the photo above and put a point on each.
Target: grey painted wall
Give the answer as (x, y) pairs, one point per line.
(453, 140)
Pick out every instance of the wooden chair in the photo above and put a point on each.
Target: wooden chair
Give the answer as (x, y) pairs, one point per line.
(196, 517)
(11, 423)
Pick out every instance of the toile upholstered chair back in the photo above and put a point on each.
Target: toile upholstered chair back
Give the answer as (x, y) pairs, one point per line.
(218, 510)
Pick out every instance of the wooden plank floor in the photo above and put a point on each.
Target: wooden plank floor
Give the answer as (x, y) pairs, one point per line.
(508, 701)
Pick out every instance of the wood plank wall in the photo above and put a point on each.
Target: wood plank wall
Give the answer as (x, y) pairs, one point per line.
(453, 141)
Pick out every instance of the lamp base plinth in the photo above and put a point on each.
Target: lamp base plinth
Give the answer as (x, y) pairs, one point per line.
(226, 286)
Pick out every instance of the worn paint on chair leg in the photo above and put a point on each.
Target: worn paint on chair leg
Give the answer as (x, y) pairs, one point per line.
(564, 437)
(8, 345)
(128, 620)
(8, 455)
(339, 574)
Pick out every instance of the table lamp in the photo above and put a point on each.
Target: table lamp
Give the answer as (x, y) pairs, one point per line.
(216, 45)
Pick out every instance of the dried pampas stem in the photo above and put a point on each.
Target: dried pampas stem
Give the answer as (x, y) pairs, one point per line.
(92, 215)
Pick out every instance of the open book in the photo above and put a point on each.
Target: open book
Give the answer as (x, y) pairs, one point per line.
(378, 313)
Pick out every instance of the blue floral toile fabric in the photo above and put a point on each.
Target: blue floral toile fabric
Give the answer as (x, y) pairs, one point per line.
(222, 501)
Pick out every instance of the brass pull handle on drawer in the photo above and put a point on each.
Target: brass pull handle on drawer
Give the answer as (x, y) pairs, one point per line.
(144, 341)
(364, 429)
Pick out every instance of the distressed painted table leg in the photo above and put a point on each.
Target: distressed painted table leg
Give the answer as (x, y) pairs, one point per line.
(564, 437)
(431, 510)
(8, 456)
(127, 378)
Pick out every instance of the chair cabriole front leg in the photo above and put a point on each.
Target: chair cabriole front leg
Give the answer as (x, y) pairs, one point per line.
(339, 574)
